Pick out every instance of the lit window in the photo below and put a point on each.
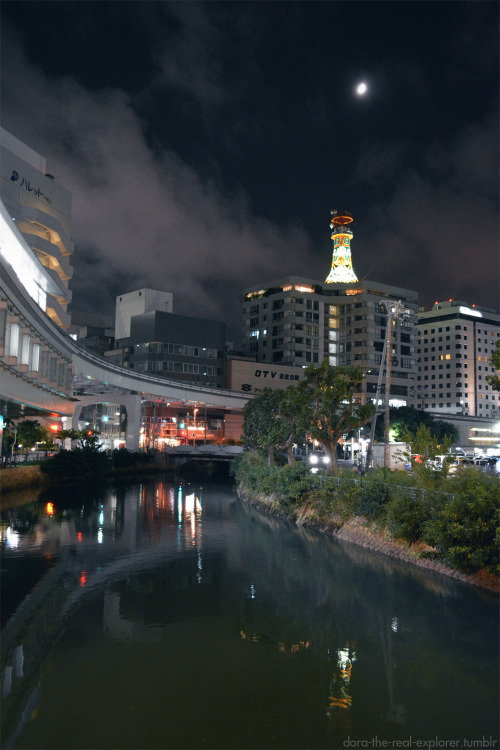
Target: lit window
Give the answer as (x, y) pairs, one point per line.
(308, 289)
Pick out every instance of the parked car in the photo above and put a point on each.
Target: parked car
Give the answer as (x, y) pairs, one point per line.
(460, 463)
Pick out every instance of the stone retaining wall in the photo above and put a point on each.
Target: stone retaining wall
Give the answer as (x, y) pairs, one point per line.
(359, 531)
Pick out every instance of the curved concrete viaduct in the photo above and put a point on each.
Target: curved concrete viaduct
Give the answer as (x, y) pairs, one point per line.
(39, 362)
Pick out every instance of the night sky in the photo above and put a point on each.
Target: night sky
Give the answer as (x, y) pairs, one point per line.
(205, 143)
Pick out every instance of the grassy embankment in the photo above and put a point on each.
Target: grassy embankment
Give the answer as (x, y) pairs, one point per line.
(446, 523)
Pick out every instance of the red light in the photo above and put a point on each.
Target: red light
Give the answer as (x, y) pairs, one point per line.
(89, 432)
(83, 578)
(79, 536)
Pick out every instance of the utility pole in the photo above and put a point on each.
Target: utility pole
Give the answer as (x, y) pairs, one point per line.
(394, 310)
(388, 363)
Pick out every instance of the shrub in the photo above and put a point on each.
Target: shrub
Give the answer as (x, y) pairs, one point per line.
(339, 494)
(465, 529)
(251, 470)
(76, 464)
(293, 484)
(405, 515)
(373, 497)
(124, 459)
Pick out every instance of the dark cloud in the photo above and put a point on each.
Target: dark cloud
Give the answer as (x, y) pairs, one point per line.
(204, 144)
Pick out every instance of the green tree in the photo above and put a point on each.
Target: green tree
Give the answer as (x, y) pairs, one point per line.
(259, 423)
(445, 430)
(293, 420)
(494, 380)
(331, 405)
(425, 445)
(9, 437)
(29, 433)
(407, 418)
(272, 421)
(89, 440)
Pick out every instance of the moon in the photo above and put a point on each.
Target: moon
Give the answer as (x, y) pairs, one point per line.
(361, 88)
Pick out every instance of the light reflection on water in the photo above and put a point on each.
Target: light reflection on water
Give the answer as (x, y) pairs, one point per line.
(172, 616)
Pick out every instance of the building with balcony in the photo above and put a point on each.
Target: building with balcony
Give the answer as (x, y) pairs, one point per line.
(296, 321)
(41, 210)
(455, 344)
(36, 369)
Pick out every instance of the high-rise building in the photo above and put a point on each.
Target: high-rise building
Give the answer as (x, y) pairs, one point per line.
(41, 210)
(296, 321)
(455, 344)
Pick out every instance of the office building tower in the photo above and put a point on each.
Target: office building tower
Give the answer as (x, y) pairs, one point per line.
(297, 321)
(455, 344)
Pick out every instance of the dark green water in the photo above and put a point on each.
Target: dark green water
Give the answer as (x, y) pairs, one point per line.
(165, 615)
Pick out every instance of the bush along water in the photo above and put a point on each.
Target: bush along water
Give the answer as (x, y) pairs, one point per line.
(457, 517)
(89, 461)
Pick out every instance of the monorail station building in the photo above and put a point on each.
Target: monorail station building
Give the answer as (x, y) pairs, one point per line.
(296, 321)
(41, 210)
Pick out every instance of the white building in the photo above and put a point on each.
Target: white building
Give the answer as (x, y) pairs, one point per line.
(137, 303)
(455, 344)
(41, 210)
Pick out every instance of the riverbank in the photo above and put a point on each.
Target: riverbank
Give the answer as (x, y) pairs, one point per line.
(32, 476)
(360, 531)
(21, 477)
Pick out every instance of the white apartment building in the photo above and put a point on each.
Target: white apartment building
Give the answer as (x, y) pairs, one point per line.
(41, 209)
(295, 321)
(455, 344)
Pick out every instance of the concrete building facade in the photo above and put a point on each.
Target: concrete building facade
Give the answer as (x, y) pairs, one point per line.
(455, 344)
(178, 347)
(137, 303)
(295, 321)
(41, 210)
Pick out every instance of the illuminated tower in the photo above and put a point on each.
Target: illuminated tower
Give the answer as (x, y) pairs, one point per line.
(342, 270)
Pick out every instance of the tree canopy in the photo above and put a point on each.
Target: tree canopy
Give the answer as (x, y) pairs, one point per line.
(332, 405)
(29, 433)
(323, 405)
(407, 418)
(494, 380)
(272, 421)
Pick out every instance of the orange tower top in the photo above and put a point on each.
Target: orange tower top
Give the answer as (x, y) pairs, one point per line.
(340, 219)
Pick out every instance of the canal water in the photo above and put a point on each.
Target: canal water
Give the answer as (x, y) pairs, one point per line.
(168, 614)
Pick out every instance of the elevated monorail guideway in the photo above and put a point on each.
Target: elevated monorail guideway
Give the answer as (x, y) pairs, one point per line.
(39, 361)
(89, 366)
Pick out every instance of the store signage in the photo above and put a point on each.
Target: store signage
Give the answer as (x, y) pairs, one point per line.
(282, 375)
(25, 184)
